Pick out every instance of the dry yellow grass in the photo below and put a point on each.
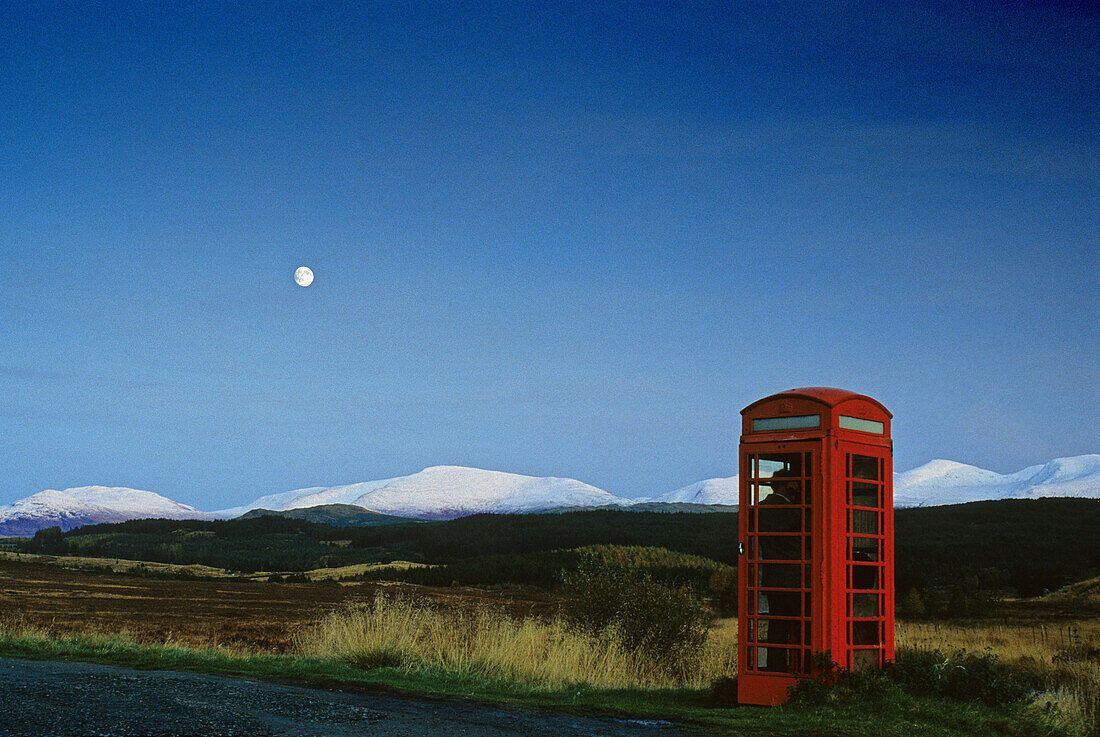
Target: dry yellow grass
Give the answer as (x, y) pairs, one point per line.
(1052, 643)
(1079, 595)
(121, 565)
(117, 565)
(350, 571)
(546, 654)
(490, 644)
(1063, 655)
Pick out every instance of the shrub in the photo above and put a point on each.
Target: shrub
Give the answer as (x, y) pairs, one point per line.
(836, 684)
(723, 585)
(668, 626)
(912, 604)
(962, 676)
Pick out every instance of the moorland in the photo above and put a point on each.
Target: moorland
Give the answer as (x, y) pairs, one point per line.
(999, 629)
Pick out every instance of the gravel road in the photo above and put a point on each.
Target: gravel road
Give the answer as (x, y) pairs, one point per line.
(60, 699)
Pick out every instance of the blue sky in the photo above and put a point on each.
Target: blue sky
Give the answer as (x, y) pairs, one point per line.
(558, 240)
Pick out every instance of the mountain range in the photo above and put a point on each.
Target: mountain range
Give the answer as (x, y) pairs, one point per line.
(446, 492)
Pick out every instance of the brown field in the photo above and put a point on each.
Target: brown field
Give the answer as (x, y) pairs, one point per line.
(510, 634)
(232, 612)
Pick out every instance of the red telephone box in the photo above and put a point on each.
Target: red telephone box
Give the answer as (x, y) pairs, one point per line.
(816, 534)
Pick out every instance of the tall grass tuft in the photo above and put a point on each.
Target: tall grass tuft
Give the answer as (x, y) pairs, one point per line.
(486, 643)
(1062, 659)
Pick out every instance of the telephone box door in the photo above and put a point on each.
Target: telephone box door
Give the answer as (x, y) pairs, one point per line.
(867, 606)
(779, 489)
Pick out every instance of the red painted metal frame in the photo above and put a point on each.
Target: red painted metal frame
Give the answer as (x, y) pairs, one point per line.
(831, 619)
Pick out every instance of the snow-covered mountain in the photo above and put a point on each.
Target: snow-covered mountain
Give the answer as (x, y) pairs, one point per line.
(947, 482)
(301, 498)
(87, 505)
(445, 492)
(709, 491)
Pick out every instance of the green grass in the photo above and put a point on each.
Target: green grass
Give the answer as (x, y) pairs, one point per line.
(897, 714)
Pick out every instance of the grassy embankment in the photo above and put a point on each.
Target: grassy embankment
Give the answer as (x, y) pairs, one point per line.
(485, 654)
(198, 571)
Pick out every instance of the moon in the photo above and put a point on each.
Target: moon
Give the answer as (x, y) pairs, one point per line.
(304, 276)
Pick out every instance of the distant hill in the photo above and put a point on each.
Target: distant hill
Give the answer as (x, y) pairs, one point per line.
(1017, 545)
(657, 506)
(1022, 544)
(338, 515)
(1080, 594)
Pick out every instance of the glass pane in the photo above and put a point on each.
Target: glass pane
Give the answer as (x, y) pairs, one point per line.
(866, 633)
(780, 547)
(780, 575)
(786, 423)
(780, 604)
(865, 467)
(775, 492)
(864, 549)
(779, 510)
(865, 577)
(864, 494)
(778, 659)
(864, 523)
(779, 631)
(855, 423)
(770, 463)
(866, 605)
(865, 659)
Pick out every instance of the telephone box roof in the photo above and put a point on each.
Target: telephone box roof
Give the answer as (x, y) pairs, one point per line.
(827, 395)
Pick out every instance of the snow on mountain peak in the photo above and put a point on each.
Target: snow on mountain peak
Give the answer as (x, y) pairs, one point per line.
(445, 492)
(709, 491)
(945, 482)
(127, 500)
(943, 472)
(85, 505)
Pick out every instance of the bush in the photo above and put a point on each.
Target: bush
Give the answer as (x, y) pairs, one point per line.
(836, 684)
(962, 676)
(723, 585)
(668, 626)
